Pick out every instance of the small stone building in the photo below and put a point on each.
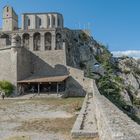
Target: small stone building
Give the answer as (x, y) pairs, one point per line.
(34, 58)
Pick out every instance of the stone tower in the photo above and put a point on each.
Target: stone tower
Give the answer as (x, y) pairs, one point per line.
(10, 19)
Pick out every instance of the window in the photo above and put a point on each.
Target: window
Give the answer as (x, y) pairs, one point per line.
(48, 41)
(58, 22)
(39, 22)
(48, 21)
(7, 9)
(37, 42)
(28, 22)
(53, 20)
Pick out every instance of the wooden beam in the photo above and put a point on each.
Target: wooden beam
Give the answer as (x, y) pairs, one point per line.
(38, 88)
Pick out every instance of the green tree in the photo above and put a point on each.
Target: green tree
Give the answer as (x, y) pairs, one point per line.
(7, 87)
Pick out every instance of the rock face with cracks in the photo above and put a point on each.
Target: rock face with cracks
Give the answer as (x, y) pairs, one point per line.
(117, 78)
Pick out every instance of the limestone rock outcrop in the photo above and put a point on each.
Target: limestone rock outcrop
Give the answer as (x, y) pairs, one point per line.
(117, 78)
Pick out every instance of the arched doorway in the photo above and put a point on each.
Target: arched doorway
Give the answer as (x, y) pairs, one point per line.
(16, 40)
(48, 41)
(26, 38)
(36, 39)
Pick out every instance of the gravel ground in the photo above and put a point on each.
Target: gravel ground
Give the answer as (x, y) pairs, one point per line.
(15, 112)
(26, 118)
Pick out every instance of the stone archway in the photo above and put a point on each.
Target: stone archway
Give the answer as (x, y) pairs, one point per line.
(16, 40)
(37, 41)
(58, 41)
(7, 37)
(26, 39)
(48, 41)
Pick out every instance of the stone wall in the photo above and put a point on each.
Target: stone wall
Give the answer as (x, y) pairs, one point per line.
(8, 65)
(3, 42)
(51, 62)
(112, 123)
(78, 84)
(24, 64)
(74, 86)
(85, 124)
(88, 84)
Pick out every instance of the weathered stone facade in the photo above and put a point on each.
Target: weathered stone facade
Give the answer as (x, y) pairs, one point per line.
(10, 19)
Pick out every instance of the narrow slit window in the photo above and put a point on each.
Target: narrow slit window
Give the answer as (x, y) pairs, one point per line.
(58, 22)
(48, 21)
(29, 22)
(39, 22)
(7, 9)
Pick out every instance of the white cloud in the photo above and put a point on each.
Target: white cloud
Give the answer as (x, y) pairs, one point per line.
(130, 53)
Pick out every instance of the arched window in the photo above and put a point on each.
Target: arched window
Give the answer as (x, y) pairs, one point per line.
(40, 22)
(8, 39)
(18, 40)
(26, 38)
(49, 22)
(48, 40)
(58, 41)
(53, 21)
(36, 39)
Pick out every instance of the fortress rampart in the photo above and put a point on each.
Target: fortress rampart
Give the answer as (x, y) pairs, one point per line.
(111, 122)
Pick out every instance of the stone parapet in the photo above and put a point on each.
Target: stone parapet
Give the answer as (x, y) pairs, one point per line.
(112, 123)
(108, 121)
(85, 125)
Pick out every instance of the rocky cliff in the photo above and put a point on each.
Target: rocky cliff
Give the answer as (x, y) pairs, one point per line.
(117, 78)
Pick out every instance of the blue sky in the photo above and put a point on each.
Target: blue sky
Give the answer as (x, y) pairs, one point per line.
(115, 23)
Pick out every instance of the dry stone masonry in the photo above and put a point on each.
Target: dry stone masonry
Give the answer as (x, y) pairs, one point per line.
(110, 123)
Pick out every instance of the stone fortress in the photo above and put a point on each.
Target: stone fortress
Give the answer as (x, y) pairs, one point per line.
(36, 55)
(44, 54)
